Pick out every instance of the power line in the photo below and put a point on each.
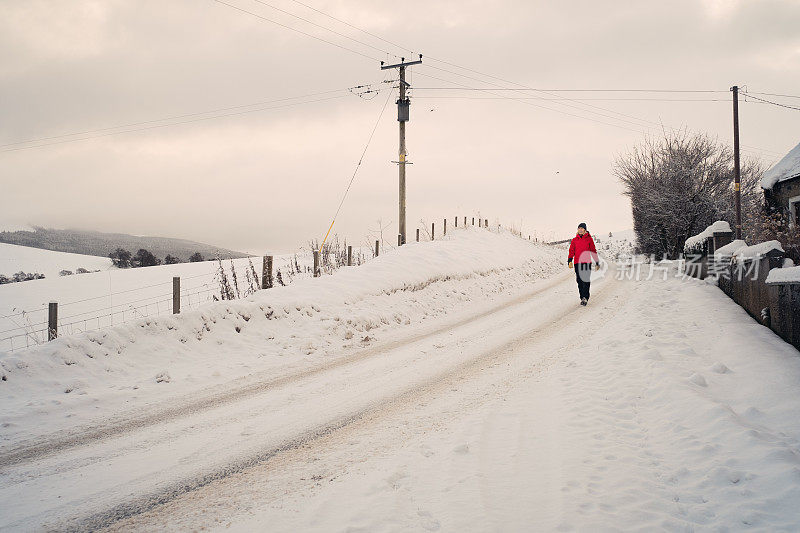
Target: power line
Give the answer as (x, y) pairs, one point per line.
(575, 99)
(774, 94)
(108, 134)
(570, 90)
(545, 107)
(609, 90)
(560, 103)
(353, 26)
(173, 117)
(522, 87)
(232, 6)
(770, 102)
(323, 27)
(654, 124)
(355, 171)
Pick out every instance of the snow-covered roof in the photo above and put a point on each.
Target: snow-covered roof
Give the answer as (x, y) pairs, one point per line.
(757, 250)
(730, 249)
(697, 240)
(786, 168)
(778, 276)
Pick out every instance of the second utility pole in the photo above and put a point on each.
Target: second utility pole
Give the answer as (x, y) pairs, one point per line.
(737, 177)
(403, 105)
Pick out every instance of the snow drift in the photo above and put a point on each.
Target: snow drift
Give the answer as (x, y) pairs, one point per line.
(273, 328)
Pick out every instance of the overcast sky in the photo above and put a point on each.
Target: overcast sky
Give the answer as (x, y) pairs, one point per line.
(269, 180)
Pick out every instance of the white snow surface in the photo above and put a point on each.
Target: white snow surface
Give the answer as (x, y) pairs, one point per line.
(717, 227)
(730, 248)
(310, 316)
(757, 250)
(784, 275)
(453, 386)
(96, 300)
(788, 167)
(15, 258)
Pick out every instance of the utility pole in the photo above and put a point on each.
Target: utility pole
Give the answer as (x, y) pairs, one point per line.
(737, 184)
(403, 105)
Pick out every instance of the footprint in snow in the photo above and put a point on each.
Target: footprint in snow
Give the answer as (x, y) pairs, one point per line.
(699, 380)
(461, 450)
(719, 368)
(427, 521)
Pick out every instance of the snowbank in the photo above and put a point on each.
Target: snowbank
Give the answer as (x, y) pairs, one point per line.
(695, 242)
(731, 248)
(309, 318)
(786, 168)
(779, 276)
(757, 250)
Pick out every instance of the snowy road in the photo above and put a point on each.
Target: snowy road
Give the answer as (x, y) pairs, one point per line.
(532, 414)
(159, 457)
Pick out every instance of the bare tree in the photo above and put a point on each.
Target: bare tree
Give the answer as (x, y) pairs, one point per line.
(680, 184)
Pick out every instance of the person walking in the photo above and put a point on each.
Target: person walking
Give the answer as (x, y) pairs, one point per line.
(583, 251)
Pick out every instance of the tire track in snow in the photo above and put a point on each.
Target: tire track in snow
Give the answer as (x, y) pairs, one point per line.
(50, 444)
(372, 411)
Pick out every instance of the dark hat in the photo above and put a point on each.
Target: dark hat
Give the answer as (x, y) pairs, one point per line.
(582, 225)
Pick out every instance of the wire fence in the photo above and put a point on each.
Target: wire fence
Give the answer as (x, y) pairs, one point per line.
(31, 327)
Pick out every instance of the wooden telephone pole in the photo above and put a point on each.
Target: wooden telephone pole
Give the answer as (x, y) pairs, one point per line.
(737, 177)
(403, 105)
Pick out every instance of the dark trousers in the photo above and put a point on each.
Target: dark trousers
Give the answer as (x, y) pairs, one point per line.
(583, 275)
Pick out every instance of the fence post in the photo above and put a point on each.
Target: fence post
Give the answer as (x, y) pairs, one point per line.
(349, 255)
(266, 273)
(399, 240)
(444, 231)
(176, 295)
(486, 223)
(417, 234)
(52, 321)
(377, 247)
(433, 233)
(456, 222)
(316, 263)
(465, 222)
(473, 221)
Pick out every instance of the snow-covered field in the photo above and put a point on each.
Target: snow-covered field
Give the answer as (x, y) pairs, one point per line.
(15, 258)
(96, 300)
(453, 385)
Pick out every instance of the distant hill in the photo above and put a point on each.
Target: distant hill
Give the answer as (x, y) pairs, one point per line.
(102, 244)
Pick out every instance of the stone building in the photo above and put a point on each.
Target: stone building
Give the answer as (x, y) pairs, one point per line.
(781, 186)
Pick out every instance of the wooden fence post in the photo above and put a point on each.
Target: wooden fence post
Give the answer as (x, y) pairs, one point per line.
(473, 221)
(486, 223)
(266, 273)
(52, 321)
(465, 222)
(444, 231)
(432, 231)
(456, 222)
(349, 255)
(316, 263)
(176, 295)
(417, 234)
(377, 247)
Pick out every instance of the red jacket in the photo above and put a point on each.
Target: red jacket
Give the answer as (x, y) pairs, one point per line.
(582, 249)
